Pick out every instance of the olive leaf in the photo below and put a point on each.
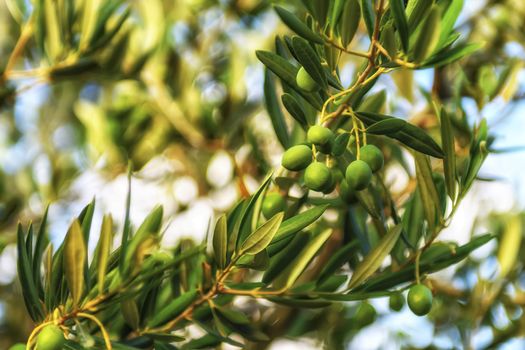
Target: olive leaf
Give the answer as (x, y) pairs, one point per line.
(349, 21)
(100, 259)
(368, 15)
(173, 309)
(375, 258)
(74, 261)
(416, 11)
(29, 289)
(509, 247)
(428, 37)
(337, 260)
(397, 8)
(386, 126)
(220, 241)
(309, 60)
(287, 72)
(410, 135)
(260, 238)
(295, 110)
(449, 161)
(282, 258)
(297, 25)
(444, 259)
(290, 274)
(274, 110)
(40, 245)
(449, 19)
(427, 189)
(299, 222)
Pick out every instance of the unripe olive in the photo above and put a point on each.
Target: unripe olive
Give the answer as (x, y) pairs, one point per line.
(372, 156)
(358, 175)
(272, 204)
(319, 135)
(50, 338)
(317, 176)
(419, 299)
(18, 346)
(365, 315)
(347, 193)
(297, 157)
(305, 81)
(396, 302)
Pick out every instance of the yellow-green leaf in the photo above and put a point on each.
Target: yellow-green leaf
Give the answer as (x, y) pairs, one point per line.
(103, 249)
(427, 188)
(74, 260)
(220, 241)
(260, 238)
(509, 246)
(372, 262)
(294, 269)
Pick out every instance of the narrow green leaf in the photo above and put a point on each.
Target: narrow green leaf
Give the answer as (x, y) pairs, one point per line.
(130, 312)
(410, 135)
(74, 261)
(150, 227)
(349, 21)
(308, 58)
(261, 237)
(397, 8)
(299, 222)
(416, 11)
(427, 189)
(245, 224)
(447, 258)
(220, 242)
(103, 249)
(448, 56)
(386, 126)
(341, 256)
(25, 274)
(287, 72)
(173, 309)
(302, 303)
(449, 161)
(367, 8)
(282, 258)
(41, 243)
(297, 25)
(289, 275)
(127, 224)
(295, 110)
(274, 110)
(449, 19)
(372, 262)
(428, 37)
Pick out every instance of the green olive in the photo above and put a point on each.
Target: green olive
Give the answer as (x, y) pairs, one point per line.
(297, 158)
(320, 136)
(50, 338)
(305, 81)
(272, 204)
(419, 299)
(365, 315)
(373, 157)
(396, 302)
(317, 176)
(18, 346)
(358, 175)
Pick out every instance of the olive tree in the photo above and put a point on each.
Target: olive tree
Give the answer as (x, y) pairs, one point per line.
(326, 231)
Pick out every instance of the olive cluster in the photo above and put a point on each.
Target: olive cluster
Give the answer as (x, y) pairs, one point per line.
(319, 177)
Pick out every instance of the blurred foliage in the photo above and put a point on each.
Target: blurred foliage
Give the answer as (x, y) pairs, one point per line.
(103, 84)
